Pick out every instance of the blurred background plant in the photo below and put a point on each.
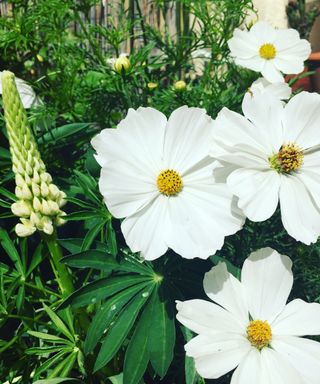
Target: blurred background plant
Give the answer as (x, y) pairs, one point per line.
(88, 62)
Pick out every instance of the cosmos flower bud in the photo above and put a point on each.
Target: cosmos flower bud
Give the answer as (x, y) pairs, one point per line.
(122, 64)
(180, 86)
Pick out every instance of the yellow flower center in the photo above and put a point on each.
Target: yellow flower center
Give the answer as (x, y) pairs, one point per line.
(259, 333)
(267, 51)
(169, 182)
(288, 159)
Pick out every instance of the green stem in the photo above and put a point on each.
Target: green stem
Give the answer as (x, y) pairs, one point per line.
(60, 270)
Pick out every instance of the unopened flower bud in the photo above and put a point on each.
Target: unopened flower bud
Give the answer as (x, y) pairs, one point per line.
(47, 226)
(19, 180)
(45, 209)
(122, 64)
(180, 86)
(25, 229)
(152, 85)
(37, 206)
(36, 177)
(54, 191)
(44, 189)
(54, 207)
(21, 208)
(26, 193)
(59, 219)
(35, 218)
(46, 177)
(35, 189)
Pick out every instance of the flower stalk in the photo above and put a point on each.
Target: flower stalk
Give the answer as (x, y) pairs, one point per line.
(39, 201)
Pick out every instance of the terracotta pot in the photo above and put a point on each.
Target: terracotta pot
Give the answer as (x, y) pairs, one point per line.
(314, 65)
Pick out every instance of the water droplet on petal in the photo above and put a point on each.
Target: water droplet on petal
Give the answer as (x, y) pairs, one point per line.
(145, 294)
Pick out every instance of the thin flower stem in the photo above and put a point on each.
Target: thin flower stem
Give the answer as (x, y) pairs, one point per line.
(61, 272)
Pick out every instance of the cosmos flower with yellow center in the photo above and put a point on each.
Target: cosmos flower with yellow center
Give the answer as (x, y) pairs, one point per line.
(269, 51)
(273, 152)
(156, 173)
(251, 328)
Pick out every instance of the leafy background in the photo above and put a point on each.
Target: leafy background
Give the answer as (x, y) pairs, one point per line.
(119, 325)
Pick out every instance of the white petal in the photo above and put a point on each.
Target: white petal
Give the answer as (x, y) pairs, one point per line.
(267, 279)
(249, 369)
(146, 230)
(242, 44)
(217, 355)
(266, 113)
(223, 288)
(302, 354)
(198, 203)
(300, 216)
(302, 120)
(187, 139)
(276, 370)
(207, 318)
(257, 191)
(271, 73)
(232, 129)
(263, 32)
(125, 188)
(298, 319)
(138, 140)
(255, 63)
(311, 180)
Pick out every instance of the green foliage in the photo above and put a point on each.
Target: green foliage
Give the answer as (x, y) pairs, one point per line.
(118, 326)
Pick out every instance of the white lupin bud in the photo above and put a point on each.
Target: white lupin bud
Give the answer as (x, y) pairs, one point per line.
(29, 169)
(21, 208)
(59, 220)
(19, 180)
(26, 193)
(54, 207)
(46, 177)
(61, 199)
(54, 191)
(47, 226)
(37, 206)
(18, 192)
(25, 229)
(35, 218)
(36, 177)
(36, 165)
(20, 168)
(44, 189)
(27, 179)
(45, 208)
(35, 189)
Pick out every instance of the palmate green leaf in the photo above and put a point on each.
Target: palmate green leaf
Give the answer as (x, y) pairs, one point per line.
(137, 354)
(101, 289)
(58, 323)
(106, 314)
(91, 259)
(46, 350)
(11, 250)
(50, 338)
(62, 132)
(59, 380)
(162, 337)
(48, 363)
(64, 367)
(92, 234)
(121, 327)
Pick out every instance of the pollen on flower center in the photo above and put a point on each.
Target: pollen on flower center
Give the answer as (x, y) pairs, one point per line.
(169, 182)
(267, 51)
(259, 333)
(288, 159)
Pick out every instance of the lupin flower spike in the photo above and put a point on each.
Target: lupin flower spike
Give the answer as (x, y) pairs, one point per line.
(39, 200)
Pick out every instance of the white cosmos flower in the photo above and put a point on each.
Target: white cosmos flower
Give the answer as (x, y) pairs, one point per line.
(158, 175)
(281, 91)
(274, 156)
(251, 327)
(269, 51)
(28, 96)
